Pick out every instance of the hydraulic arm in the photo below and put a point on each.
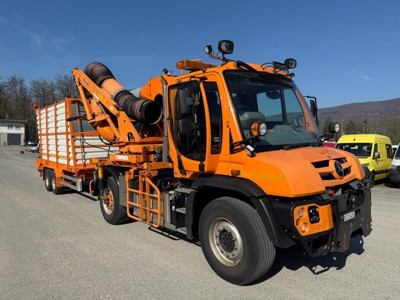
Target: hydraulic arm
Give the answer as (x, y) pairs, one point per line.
(112, 110)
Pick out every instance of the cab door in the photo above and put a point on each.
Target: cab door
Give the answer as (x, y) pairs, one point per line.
(194, 126)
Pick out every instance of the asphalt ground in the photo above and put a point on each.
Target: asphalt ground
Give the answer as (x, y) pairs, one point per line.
(60, 247)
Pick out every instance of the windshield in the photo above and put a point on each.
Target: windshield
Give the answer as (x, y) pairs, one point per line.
(358, 149)
(259, 97)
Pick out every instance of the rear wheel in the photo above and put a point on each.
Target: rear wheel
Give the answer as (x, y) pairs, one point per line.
(56, 190)
(47, 179)
(234, 241)
(112, 211)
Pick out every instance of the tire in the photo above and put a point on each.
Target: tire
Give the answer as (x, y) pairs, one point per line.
(112, 211)
(394, 184)
(234, 241)
(372, 180)
(56, 190)
(47, 180)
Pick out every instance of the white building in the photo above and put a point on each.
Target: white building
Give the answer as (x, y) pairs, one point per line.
(12, 132)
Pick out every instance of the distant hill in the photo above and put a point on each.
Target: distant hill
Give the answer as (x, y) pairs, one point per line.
(381, 117)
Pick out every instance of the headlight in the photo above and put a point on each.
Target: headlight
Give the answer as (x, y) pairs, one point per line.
(393, 167)
(365, 166)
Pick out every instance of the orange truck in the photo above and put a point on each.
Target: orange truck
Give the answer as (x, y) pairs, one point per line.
(228, 154)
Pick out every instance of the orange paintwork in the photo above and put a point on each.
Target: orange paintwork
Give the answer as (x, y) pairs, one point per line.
(290, 173)
(302, 219)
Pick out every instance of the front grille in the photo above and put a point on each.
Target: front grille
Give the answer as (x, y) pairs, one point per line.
(326, 168)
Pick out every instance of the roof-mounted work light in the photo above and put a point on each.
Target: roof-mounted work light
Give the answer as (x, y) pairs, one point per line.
(225, 47)
(290, 63)
(208, 49)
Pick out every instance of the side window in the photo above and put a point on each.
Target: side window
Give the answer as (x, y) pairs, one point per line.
(375, 150)
(389, 153)
(214, 107)
(188, 125)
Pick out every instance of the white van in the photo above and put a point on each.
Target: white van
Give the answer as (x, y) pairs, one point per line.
(394, 171)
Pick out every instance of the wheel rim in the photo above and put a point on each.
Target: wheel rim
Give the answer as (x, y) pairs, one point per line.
(108, 201)
(226, 242)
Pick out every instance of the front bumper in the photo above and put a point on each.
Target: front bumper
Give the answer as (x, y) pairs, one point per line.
(349, 208)
(394, 176)
(359, 202)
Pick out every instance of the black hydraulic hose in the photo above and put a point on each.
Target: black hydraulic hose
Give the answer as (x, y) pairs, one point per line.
(142, 110)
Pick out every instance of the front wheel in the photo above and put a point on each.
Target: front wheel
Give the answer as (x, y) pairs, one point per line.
(112, 211)
(234, 241)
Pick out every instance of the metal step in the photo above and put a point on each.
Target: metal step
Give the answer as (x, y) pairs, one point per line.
(78, 182)
(182, 230)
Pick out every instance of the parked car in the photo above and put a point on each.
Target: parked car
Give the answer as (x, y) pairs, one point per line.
(373, 150)
(31, 142)
(34, 149)
(329, 144)
(394, 147)
(394, 171)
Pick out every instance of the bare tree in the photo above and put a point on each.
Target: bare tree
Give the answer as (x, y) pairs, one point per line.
(66, 87)
(43, 92)
(2, 101)
(18, 102)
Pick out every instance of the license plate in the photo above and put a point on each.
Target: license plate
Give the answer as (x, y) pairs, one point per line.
(349, 216)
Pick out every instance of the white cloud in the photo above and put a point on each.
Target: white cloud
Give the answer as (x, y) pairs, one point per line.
(60, 42)
(36, 39)
(358, 74)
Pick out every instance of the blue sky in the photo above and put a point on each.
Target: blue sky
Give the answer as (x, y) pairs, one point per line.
(347, 50)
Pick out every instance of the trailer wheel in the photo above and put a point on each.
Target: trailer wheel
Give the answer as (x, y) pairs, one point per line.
(112, 211)
(47, 179)
(56, 190)
(234, 241)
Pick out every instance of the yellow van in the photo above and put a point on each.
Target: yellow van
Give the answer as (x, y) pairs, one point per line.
(373, 150)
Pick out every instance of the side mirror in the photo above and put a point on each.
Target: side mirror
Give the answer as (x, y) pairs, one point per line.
(377, 155)
(313, 107)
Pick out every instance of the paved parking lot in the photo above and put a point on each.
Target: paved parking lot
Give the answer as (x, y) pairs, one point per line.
(59, 247)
